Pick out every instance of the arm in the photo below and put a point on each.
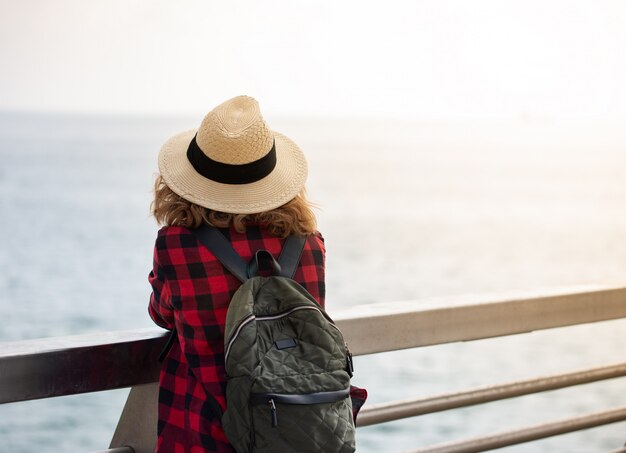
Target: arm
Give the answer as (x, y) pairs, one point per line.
(159, 308)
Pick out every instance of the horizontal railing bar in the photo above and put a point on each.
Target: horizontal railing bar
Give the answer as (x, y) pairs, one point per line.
(530, 433)
(395, 410)
(389, 327)
(102, 361)
(60, 366)
(89, 340)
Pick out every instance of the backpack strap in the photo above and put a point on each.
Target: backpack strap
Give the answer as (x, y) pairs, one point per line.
(290, 255)
(217, 243)
(223, 250)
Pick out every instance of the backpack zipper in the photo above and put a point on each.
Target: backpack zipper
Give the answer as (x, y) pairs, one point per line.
(248, 319)
(242, 324)
(273, 413)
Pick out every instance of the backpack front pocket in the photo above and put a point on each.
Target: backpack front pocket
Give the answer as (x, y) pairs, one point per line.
(310, 422)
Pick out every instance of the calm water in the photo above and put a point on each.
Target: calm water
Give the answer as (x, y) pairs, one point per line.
(409, 212)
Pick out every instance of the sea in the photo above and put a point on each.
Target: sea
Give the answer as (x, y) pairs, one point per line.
(420, 211)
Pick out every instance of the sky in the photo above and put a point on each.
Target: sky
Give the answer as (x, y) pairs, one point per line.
(416, 59)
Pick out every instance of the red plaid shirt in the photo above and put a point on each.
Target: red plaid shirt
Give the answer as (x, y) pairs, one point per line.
(191, 291)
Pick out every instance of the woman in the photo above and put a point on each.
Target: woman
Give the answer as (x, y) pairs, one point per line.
(236, 174)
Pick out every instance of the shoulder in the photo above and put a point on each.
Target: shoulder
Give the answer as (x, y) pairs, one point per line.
(174, 237)
(316, 240)
(315, 249)
(173, 231)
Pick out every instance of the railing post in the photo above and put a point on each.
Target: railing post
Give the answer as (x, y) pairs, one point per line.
(137, 427)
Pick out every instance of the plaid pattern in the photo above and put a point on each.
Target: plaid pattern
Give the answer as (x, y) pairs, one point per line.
(191, 291)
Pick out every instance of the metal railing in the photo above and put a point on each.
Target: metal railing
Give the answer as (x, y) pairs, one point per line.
(87, 363)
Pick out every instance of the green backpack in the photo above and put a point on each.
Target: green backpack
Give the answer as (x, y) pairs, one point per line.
(287, 363)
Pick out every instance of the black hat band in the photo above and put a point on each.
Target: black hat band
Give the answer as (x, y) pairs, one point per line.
(229, 173)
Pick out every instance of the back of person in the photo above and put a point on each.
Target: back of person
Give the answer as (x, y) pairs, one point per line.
(236, 174)
(194, 298)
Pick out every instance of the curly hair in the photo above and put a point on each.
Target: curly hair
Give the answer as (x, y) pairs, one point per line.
(170, 209)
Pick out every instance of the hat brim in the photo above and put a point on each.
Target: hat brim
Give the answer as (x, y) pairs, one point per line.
(281, 185)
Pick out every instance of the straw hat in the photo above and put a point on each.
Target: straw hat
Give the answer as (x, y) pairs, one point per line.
(234, 163)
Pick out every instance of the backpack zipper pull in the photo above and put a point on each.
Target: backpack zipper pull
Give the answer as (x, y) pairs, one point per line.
(273, 413)
(349, 362)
